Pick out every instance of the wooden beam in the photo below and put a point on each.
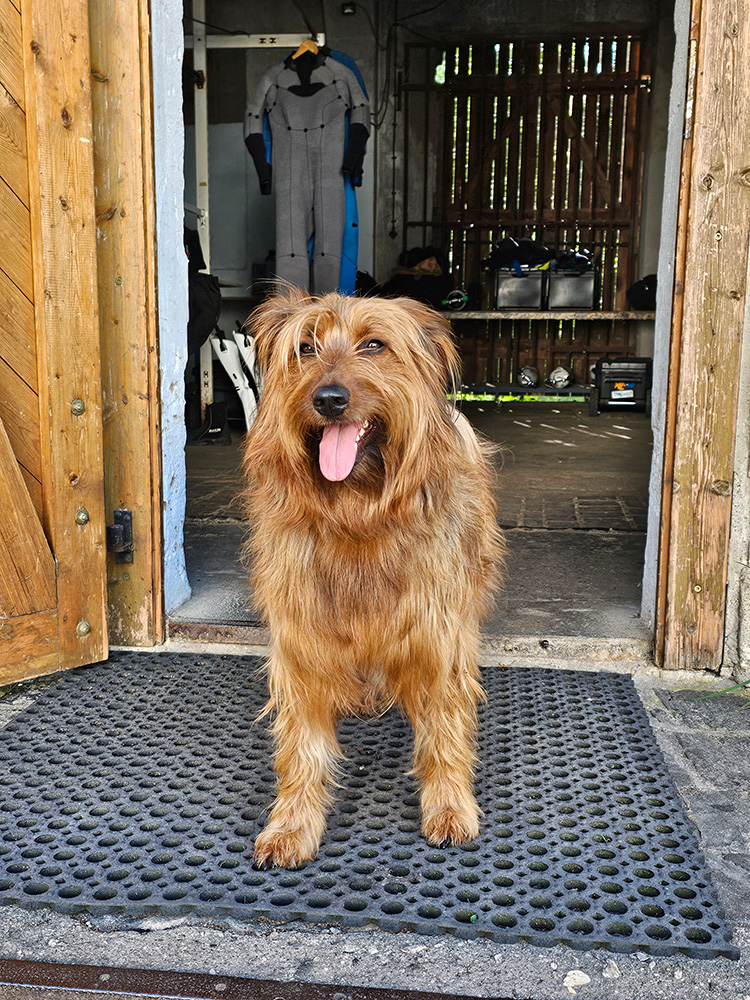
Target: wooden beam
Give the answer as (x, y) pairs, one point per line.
(710, 297)
(123, 166)
(63, 239)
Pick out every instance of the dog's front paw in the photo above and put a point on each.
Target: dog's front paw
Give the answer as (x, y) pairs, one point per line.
(278, 848)
(451, 826)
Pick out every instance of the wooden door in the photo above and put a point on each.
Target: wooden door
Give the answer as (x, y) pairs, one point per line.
(707, 319)
(52, 524)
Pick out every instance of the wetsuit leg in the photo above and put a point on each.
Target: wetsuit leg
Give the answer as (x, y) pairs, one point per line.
(294, 207)
(329, 209)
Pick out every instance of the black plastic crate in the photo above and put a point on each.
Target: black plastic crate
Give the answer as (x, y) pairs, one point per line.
(571, 290)
(622, 382)
(524, 292)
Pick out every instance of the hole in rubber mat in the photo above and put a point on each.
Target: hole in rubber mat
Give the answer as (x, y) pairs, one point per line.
(137, 787)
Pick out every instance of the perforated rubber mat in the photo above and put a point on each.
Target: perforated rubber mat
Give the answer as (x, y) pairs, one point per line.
(137, 787)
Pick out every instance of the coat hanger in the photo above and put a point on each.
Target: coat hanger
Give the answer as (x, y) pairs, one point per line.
(307, 46)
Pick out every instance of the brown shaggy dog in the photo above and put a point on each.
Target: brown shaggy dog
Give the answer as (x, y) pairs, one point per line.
(374, 552)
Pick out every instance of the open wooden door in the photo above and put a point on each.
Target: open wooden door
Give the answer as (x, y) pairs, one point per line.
(710, 296)
(52, 525)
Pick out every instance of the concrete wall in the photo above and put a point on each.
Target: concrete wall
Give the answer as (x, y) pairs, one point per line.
(737, 635)
(653, 167)
(167, 48)
(665, 284)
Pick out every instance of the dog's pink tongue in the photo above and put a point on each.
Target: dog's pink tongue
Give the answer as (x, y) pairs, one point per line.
(338, 451)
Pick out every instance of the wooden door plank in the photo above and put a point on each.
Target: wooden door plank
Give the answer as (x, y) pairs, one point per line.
(34, 487)
(15, 239)
(11, 63)
(14, 166)
(17, 333)
(27, 583)
(28, 646)
(59, 140)
(154, 474)
(19, 411)
(126, 293)
(713, 293)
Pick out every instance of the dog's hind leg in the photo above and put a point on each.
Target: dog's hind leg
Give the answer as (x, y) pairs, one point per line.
(305, 760)
(444, 718)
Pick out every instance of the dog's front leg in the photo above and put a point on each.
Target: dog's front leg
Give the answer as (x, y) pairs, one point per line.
(444, 723)
(305, 758)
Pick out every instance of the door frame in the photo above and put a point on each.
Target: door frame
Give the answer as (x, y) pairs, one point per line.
(707, 309)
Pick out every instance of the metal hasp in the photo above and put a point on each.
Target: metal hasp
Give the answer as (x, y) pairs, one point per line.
(120, 536)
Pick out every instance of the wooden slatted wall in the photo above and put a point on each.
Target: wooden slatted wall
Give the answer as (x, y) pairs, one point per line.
(536, 139)
(19, 399)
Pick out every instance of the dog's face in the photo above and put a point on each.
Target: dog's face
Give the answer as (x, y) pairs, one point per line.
(352, 385)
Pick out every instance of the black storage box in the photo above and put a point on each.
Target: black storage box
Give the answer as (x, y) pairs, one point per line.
(622, 382)
(571, 290)
(520, 293)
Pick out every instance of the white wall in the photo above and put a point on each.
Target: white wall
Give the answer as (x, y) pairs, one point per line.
(665, 284)
(167, 49)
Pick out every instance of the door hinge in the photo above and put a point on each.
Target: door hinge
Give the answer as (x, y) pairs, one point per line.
(120, 536)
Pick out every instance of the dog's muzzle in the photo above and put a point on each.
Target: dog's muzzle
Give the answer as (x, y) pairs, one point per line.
(331, 400)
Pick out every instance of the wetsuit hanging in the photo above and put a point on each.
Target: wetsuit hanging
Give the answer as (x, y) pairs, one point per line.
(318, 115)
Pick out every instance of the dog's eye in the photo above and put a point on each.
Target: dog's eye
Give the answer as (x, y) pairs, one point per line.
(372, 345)
(306, 349)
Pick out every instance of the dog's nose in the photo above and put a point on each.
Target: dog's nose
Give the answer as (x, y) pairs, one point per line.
(331, 400)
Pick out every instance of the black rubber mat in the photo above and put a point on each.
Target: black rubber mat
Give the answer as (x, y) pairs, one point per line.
(137, 787)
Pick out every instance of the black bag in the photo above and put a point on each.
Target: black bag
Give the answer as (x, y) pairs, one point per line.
(204, 308)
(642, 294)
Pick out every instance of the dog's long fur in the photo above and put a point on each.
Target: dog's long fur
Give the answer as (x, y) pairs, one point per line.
(373, 586)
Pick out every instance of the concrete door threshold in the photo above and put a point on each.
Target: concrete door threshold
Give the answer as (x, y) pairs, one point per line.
(614, 653)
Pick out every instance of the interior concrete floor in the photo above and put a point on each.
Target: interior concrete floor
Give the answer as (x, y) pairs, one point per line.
(572, 495)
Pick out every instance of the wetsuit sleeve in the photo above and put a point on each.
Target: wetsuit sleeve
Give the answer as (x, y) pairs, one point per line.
(355, 149)
(253, 131)
(359, 123)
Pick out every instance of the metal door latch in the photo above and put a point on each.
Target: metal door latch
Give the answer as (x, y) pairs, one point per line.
(120, 536)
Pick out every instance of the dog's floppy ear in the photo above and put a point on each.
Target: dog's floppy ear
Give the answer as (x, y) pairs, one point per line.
(437, 338)
(266, 322)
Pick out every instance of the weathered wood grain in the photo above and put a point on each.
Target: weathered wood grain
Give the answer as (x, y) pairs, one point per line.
(59, 140)
(716, 229)
(19, 411)
(28, 646)
(14, 167)
(17, 332)
(27, 583)
(15, 239)
(125, 255)
(11, 62)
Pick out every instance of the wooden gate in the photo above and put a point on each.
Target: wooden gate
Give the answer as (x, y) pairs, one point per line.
(539, 139)
(52, 530)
